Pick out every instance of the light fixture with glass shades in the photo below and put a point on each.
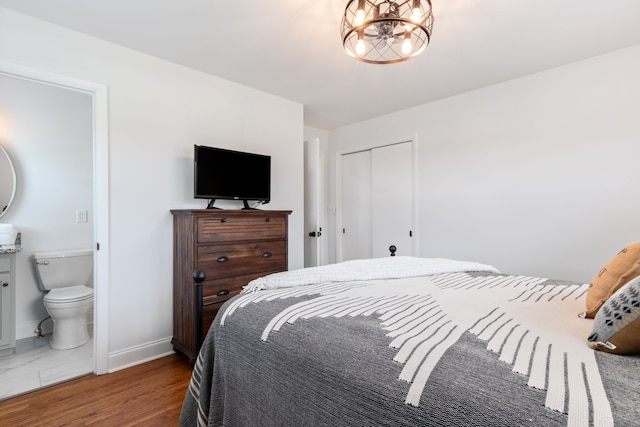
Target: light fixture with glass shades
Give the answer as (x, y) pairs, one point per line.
(386, 31)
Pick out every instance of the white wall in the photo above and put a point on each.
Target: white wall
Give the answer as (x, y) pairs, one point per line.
(157, 111)
(54, 173)
(536, 176)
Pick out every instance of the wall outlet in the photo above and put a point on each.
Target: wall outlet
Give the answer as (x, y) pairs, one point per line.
(82, 216)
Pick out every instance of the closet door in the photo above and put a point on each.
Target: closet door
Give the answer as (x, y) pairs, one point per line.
(392, 199)
(377, 202)
(356, 205)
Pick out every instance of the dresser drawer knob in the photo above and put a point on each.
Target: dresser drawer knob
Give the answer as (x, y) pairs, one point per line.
(223, 259)
(266, 255)
(223, 219)
(223, 293)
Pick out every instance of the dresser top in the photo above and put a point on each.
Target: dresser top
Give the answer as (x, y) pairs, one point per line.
(247, 212)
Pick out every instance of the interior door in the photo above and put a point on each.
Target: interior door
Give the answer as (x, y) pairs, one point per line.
(392, 199)
(356, 205)
(312, 205)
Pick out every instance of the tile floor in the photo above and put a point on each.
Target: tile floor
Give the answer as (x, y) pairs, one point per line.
(37, 365)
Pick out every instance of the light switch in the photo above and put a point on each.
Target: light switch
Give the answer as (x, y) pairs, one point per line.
(82, 216)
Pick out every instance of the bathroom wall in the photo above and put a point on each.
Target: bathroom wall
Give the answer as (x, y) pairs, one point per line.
(48, 132)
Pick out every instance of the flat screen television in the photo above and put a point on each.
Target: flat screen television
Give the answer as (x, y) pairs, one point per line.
(232, 175)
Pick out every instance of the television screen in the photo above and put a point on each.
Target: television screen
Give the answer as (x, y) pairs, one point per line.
(228, 174)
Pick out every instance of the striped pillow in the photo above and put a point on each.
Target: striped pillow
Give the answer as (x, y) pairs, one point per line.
(616, 328)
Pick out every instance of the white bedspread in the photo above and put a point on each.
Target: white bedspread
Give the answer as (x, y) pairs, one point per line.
(446, 342)
(365, 269)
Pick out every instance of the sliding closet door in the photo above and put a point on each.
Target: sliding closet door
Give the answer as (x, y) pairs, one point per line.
(377, 202)
(392, 199)
(356, 205)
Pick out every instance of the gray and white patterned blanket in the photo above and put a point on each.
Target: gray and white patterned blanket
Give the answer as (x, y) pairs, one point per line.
(449, 346)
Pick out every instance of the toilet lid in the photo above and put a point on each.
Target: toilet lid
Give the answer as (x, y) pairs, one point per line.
(70, 294)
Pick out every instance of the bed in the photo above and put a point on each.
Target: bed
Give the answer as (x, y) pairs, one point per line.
(404, 341)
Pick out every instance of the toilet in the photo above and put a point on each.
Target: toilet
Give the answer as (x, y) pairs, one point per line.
(65, 275)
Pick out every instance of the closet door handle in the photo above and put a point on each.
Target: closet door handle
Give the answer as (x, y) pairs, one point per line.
(5, 284)
(266, 255)
(223, 259)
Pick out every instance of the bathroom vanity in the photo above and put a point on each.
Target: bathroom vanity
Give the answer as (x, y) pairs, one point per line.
(7, 301)
(10, 243)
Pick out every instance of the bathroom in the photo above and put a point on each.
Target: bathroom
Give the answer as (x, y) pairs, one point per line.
(47, 132)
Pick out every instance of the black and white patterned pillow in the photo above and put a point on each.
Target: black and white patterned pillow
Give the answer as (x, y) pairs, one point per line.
(616, 327)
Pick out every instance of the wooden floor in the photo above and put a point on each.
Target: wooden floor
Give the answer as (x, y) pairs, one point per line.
(150, 394)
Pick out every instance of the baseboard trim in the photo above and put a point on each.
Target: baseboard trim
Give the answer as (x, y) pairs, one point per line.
(27, 329)
(136, 355)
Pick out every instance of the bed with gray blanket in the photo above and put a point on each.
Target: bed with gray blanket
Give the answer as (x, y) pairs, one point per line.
(408, 341)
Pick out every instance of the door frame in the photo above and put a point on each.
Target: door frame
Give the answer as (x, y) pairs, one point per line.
(99, 95)
(413, 140)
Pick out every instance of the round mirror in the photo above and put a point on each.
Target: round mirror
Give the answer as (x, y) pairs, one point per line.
(7, 181)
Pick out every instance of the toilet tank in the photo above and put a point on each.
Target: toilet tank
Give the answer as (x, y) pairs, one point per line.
(60, 269)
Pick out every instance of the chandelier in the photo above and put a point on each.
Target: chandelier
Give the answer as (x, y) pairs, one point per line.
(386, 31)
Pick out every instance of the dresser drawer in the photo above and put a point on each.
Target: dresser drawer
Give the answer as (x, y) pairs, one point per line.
(233, 259)
(221, 228)
(220, 290)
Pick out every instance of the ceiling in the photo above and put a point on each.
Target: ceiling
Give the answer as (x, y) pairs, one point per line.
(292, 48)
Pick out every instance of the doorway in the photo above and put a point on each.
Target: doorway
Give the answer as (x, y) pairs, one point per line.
(98, 94)
(313, 205)
(375, 195)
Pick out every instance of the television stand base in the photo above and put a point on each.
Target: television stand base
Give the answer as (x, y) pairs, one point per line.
(244, 202)
(247, 207)
(210, 204)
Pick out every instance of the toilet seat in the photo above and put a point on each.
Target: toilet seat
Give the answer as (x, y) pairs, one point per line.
(70, 294)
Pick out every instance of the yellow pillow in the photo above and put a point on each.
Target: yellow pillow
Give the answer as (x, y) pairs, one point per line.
(620, 270)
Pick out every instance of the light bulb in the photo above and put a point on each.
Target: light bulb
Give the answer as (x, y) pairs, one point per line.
(360, 47)
(416, 15)
(407, 46)
(359, 18)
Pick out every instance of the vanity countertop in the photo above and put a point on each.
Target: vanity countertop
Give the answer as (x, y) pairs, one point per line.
(12, 249)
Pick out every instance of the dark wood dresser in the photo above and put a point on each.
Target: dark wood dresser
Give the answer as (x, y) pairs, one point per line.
(232, 247)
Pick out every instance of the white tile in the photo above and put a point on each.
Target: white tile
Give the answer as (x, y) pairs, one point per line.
(63, 372)
(13, 385)
(36, 365)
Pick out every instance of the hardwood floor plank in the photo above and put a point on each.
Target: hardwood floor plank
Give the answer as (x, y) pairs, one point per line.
(149, 394)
